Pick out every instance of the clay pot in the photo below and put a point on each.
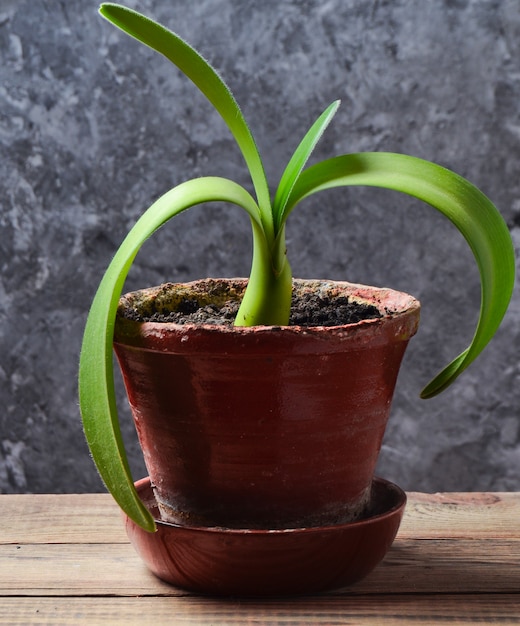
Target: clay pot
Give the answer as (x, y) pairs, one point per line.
(263, 427)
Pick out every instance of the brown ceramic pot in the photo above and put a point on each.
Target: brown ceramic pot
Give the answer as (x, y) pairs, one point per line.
(263, 427)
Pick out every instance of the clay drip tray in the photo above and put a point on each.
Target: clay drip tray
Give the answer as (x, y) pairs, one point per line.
(243, 562)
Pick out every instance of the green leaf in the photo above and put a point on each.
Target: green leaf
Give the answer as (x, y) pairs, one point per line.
(206, 78)
(300, 158)
(96, 384)
(461, 202)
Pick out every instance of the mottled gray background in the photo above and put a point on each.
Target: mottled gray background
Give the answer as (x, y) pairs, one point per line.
(93, 127)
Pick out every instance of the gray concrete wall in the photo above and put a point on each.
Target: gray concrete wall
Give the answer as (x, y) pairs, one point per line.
(94, 126)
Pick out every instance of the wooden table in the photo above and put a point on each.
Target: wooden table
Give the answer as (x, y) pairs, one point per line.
(65, 559)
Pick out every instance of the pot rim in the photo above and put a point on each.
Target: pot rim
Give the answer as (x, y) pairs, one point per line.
(400, 319)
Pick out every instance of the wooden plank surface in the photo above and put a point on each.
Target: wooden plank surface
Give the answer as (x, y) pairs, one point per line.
(95, 518)
(463, 515)
(63, 518)
(320, 611)
(411, 566)
(65, 559)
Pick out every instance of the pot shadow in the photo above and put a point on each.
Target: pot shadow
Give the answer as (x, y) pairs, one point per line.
(446, 566)
(412, 573)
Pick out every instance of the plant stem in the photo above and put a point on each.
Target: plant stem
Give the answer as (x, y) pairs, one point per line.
(267, 299)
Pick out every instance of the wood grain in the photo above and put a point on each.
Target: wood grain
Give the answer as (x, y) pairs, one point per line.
(64, 518)
(462, 515)
(412, 566)
(65, 559)
(391, 610)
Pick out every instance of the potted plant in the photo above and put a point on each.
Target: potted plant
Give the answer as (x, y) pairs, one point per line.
(261, 435)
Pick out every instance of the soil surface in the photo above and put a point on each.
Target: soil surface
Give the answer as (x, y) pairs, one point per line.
(307, 309)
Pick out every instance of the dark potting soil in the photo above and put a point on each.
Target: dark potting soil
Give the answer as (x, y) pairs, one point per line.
(307, 309)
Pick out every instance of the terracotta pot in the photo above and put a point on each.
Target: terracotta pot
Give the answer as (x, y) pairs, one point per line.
(263, 427)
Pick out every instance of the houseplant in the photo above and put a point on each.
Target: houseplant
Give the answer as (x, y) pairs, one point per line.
(263, 313)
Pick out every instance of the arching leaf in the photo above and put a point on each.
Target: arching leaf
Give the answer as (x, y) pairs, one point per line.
(206, 78)
(461, 202)
(96, 383)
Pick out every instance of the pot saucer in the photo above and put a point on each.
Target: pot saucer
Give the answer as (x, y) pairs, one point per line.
(242, 562)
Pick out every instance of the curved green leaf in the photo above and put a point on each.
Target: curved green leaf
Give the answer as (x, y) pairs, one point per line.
(299, 159)
(461, 202)
(206, 78)
(96, 383)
